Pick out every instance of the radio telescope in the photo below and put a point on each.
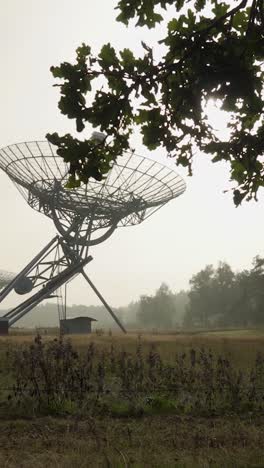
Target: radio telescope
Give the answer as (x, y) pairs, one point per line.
(85, 216)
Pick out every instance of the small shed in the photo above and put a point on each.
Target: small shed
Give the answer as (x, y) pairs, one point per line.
(76, 325)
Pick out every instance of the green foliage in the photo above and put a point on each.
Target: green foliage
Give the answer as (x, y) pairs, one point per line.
(212, 52)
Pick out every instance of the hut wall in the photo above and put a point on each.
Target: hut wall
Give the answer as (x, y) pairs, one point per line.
(75, 326)
(3, 326)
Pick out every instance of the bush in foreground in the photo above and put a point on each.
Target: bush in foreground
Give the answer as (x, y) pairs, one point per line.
(55, 378)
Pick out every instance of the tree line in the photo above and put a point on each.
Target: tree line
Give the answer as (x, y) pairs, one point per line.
(217, 297)
(221, 297)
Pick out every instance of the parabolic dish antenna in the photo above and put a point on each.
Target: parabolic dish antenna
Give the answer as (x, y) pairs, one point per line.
(84, 216)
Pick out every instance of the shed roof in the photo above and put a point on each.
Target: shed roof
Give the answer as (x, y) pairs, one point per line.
(82, 318)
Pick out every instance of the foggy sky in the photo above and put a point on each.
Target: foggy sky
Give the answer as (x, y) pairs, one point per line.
(200, 227)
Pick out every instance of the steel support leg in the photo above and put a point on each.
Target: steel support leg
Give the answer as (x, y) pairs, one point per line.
(99, 295)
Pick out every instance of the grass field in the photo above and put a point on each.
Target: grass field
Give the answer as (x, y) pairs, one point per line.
(166, 437)
(241, 345)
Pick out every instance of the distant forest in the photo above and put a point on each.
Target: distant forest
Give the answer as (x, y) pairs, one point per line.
(217, 297)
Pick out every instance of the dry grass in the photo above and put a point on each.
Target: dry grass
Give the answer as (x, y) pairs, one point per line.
(170, 441)
(239, 345)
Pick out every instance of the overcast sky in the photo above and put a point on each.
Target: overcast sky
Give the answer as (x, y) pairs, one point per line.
(200, 227)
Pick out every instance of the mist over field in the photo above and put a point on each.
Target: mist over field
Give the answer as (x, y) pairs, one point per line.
(217, 297)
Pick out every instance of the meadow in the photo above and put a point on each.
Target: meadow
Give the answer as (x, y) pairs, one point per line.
(135, 400)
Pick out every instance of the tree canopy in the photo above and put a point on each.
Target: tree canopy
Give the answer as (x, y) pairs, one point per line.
(213, 50)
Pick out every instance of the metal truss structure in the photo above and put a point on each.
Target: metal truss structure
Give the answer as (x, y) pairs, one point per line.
(85, 216)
